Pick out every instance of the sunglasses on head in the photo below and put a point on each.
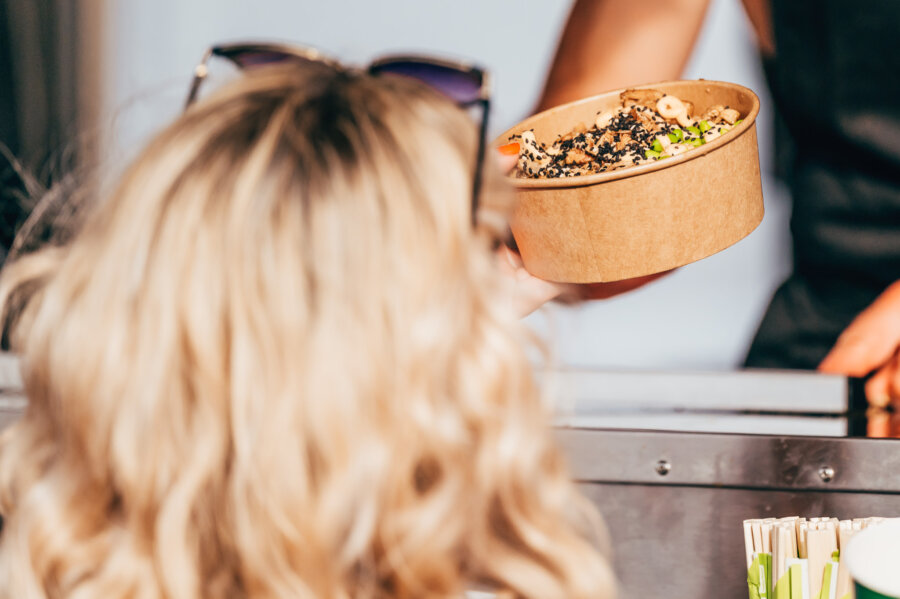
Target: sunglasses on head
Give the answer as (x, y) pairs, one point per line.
(466, 85)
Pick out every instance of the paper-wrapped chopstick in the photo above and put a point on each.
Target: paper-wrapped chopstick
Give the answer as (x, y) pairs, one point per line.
(821, 544)
(799, 573)
(758, 561)
(782, 551)
(844, 586)
(748, 542)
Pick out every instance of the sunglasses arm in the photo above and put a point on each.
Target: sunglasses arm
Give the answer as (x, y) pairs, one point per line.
(479, 159)
(200, 73)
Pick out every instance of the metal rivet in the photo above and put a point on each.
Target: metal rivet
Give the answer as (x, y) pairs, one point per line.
(826, 473)
(663, 467)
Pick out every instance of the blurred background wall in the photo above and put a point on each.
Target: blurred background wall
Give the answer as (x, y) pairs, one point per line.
(700, 318)
(50, 92)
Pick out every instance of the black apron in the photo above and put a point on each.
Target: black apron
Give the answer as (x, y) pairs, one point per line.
(835, 81)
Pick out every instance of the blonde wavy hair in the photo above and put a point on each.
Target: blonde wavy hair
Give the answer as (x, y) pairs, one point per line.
(277, 362)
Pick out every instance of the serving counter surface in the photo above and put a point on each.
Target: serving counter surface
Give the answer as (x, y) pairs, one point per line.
(674, 502)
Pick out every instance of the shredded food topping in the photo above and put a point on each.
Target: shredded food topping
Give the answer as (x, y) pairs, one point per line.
(647, 126)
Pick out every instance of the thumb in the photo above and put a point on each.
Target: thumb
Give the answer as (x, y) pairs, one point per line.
(505, 162)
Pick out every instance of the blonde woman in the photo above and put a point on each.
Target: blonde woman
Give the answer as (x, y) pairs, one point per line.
(278, 362)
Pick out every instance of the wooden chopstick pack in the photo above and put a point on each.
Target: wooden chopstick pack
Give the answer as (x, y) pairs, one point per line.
(799, 558)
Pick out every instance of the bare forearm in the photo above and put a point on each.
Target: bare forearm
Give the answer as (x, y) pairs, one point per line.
(608, 44)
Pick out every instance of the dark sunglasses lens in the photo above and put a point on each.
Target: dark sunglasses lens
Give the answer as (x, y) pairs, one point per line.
(252, 58)
(462, 86)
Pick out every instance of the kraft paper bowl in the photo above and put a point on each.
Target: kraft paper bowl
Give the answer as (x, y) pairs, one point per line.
(645, 219)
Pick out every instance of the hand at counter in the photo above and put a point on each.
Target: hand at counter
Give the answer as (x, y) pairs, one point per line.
(871, 344)
(531, 292)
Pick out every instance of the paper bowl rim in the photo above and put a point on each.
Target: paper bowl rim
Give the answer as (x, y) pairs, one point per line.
(624, 173)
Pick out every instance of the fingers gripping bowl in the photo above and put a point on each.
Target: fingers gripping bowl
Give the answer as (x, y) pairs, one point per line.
(642, 219)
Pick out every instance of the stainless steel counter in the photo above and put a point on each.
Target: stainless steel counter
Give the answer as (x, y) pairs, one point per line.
(674, 502)
(12, 400)
(749, 401)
